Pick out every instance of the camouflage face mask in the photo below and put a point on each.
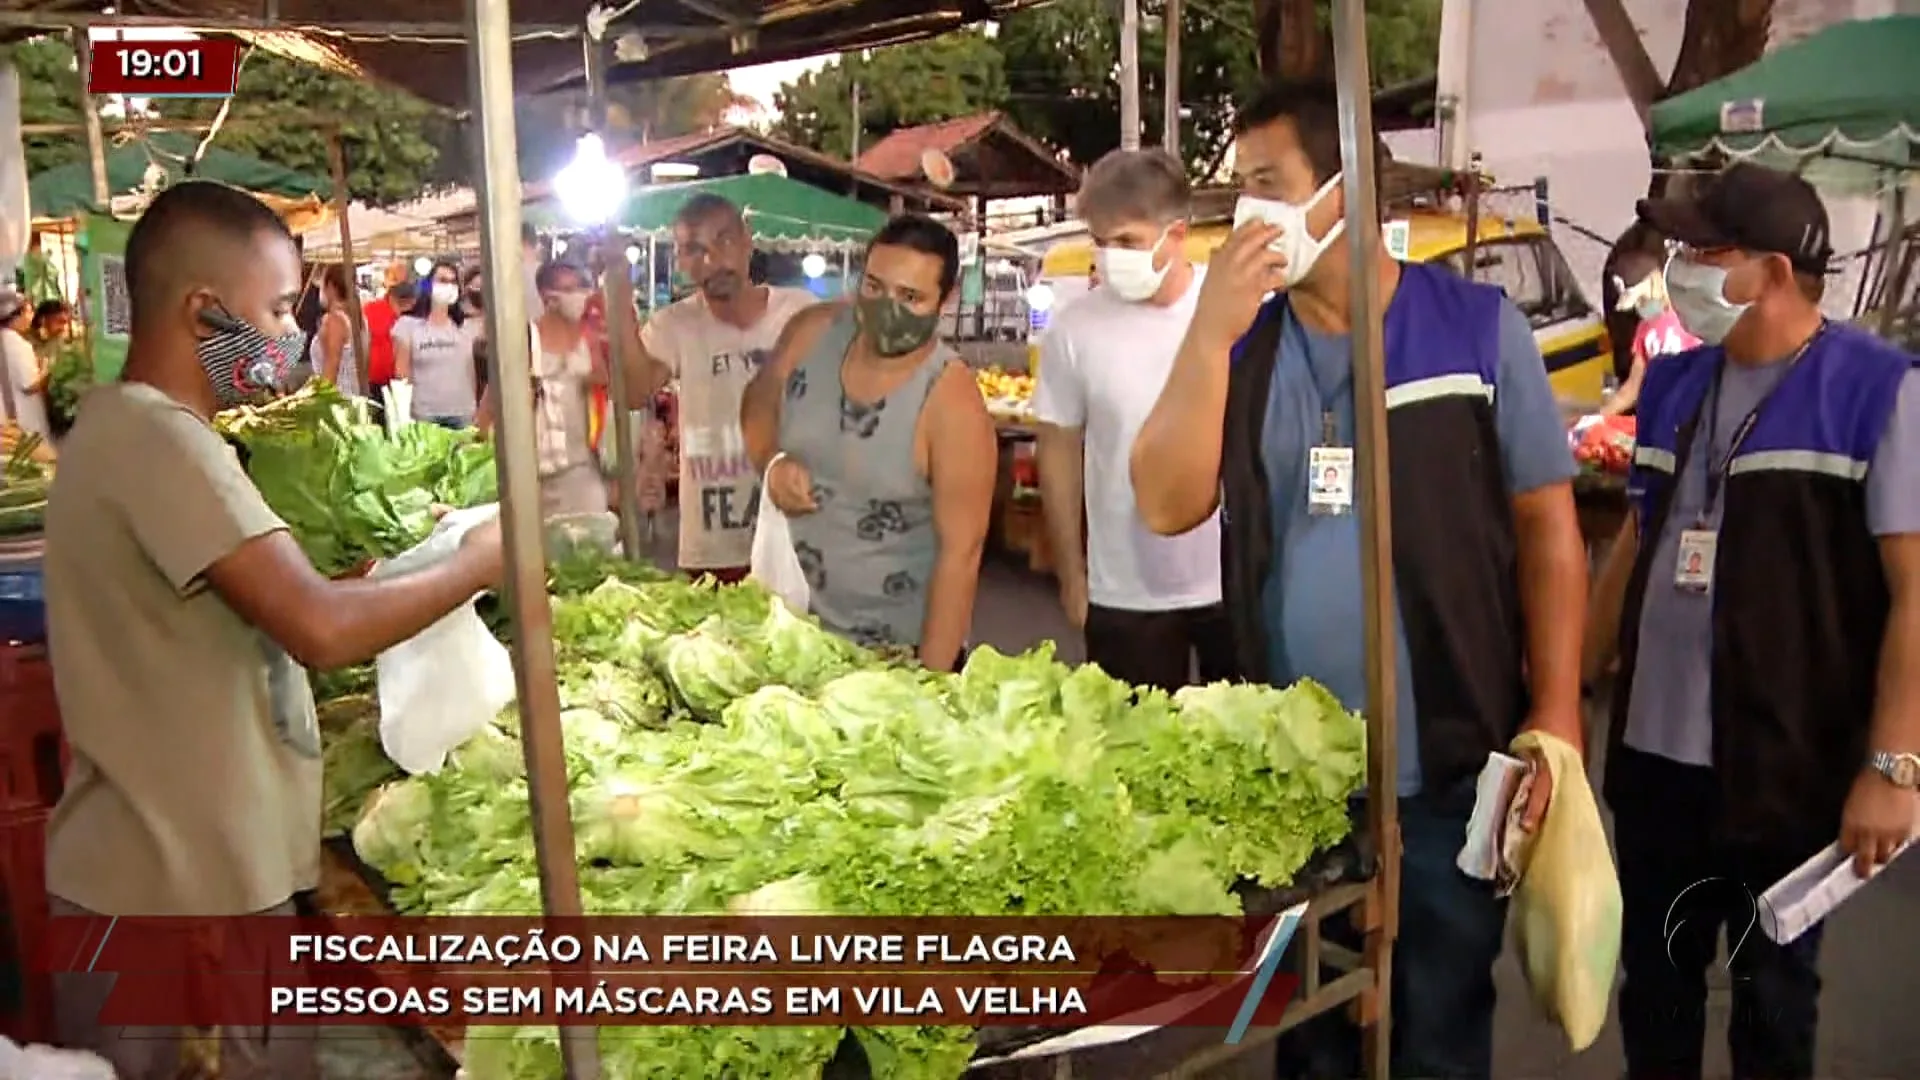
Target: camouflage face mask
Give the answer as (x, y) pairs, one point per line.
(893, 328)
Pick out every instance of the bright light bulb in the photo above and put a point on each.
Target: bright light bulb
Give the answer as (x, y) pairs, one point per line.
(814, 265)
(1040, 297)
(633, 255)
(423, 266)
(592, 187)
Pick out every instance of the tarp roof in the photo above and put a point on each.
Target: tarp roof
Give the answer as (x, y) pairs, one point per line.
(782, 214)
(419, 45)
(68, 189)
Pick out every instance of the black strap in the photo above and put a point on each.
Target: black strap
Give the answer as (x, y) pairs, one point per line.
(1717, 473)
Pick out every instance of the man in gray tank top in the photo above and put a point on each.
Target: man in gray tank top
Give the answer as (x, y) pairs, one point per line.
(878, 448)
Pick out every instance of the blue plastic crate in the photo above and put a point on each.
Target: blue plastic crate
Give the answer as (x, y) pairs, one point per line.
(23, 609)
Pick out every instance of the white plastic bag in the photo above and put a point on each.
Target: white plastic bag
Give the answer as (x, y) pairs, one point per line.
(773, 563)
(398, 401)
(447, 683)
(48, 1063)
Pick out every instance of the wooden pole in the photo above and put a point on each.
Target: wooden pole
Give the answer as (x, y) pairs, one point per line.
(1129, 74)
(90, 120)
(490, 69)
(616, 293)
(1170, 134)
(342, 203)
(1357, 144)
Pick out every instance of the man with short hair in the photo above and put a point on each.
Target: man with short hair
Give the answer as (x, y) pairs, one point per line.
(1490, 572)
(713, 342)
(1766, 597)
(182, 620)
(23, 380)
(878, 448)
(1149, 605)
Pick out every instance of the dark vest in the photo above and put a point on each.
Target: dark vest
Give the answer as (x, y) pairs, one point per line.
(1799, 597)
(1454, 555)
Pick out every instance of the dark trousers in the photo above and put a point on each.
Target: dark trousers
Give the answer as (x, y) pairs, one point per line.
(1452, 928)
(1161, 648)
(1680, 888)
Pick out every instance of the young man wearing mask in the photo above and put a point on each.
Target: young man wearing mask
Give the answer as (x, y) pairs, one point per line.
(568, 398)
(713, 342)
(182, 621)
(1149, 605)
(1769, 692)
(886, 455)
(1489, 569)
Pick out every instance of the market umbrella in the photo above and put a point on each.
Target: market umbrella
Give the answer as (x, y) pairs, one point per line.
(783, 214)
(1845, 103)
(67, 190)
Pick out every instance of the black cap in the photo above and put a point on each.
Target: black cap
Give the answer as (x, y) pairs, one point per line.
(1751, 207)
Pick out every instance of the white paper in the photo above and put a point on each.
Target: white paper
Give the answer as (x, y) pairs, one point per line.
(1481, 855)
(447, 683)
(1798, 902)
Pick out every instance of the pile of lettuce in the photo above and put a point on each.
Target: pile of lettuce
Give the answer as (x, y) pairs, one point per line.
(725, 754)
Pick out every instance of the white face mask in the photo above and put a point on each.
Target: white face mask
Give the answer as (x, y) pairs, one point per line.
(445, 293)
(1131, 274)
(1699, 299)
(1295, 242)
(571, 306)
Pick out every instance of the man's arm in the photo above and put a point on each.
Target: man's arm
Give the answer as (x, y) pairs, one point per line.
(646, 373)
(1175, 462)
(1553, 559)
(1893, 513)
(1059, 404)
(961, 463)
(760, 402)
(1608, 599)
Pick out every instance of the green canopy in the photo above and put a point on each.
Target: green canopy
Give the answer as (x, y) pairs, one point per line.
(68, 189)
(1848, 96)
(783, 214)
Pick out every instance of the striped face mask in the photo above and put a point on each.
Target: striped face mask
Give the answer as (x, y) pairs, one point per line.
(243, 363)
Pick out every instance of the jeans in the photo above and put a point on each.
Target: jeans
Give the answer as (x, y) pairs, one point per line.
(1680, 887)
(453, 423)
(1161, 649)
(1452, 928)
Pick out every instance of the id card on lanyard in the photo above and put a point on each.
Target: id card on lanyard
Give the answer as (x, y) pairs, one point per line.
(1693, 566)
(1330, 465)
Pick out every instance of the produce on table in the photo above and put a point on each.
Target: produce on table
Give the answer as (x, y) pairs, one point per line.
(69, 375)
(1008, 395)
(26, 472)
(1604, 444)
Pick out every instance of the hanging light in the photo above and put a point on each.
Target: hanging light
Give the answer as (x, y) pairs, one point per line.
(814, 265)
(422, 266)
(1040, 296)
(592, 187)
(633, 255)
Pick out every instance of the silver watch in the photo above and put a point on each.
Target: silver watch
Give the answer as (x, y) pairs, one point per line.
(1901, 770)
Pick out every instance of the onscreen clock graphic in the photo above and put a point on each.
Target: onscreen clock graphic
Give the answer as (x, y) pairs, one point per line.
(161, 69)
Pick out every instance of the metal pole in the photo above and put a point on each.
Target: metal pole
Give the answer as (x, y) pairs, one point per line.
(490, 70)
(90, 118)
(342, 204)
(1129, 74)
(616, 292)
(1893, 264)
(1170, 139)
(1376, 524)
(853, 154)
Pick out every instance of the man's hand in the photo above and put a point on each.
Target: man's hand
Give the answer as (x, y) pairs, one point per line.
(790, 486)
(1879, 817)
(1073, 599)
(1566, 728)
(1239, 277)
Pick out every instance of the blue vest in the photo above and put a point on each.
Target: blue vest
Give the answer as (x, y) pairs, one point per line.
(1454, 553)
(1799, 598)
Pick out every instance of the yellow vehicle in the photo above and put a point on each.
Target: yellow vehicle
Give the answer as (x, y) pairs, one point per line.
(1517, 255)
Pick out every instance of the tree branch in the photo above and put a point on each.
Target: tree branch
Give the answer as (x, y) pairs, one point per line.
(1629, 54)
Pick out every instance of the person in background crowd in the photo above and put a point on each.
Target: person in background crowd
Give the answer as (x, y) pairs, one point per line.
(568, 412)
(1149, 604)
(52, 322)
(1660, 333)
(877, 445)
(381, 315)
(24, 380)
(713, 342)
(1489, 568)
(182, 621)
(473, 297)
(1769, 701)
(334, 358)
(433, 348)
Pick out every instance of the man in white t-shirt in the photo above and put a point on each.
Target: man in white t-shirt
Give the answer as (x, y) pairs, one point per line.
(1149, 604)
(712, 342)
(22, 384)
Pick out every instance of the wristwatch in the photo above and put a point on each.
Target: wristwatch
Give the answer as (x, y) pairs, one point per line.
(1901, 770)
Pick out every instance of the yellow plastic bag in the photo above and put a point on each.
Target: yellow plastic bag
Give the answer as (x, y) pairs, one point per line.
(1567, 905)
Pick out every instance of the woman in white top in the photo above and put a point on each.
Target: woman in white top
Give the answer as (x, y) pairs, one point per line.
(332, 350)
(565, 374)
(433, 349)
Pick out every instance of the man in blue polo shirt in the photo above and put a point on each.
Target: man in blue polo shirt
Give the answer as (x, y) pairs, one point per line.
(1489, 568)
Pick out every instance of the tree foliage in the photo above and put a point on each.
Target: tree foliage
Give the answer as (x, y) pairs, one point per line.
(49, 94)
(1054, 70)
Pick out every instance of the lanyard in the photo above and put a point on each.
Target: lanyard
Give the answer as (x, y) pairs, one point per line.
(1717, 473)
(1329, 430)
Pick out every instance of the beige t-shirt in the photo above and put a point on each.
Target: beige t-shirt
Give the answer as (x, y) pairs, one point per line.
(714, 361)
(195, 787)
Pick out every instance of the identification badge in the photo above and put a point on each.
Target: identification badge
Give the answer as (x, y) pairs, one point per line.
(1693, 571)
(1329, 479)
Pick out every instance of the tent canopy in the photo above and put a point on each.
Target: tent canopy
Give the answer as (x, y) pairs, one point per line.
(783, 214)
(1848, 96)
(68, 189)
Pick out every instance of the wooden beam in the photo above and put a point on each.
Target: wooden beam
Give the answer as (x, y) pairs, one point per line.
(342, 205)
(1629, 54)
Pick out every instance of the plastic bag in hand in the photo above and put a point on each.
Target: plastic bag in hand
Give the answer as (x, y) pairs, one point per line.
(47, 1063)
(398, 401)
(447, 683)
(773, 562)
